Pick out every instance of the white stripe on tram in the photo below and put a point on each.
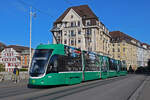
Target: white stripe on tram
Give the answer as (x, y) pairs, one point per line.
(71, 72)
(92, 71)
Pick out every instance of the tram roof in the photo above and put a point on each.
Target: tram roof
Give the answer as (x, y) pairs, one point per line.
(50, 46)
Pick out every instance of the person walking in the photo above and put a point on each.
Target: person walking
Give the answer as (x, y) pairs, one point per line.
(16, 74)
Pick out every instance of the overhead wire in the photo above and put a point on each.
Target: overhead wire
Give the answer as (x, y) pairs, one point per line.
(68, 2)
(77, 2)
(35, 8)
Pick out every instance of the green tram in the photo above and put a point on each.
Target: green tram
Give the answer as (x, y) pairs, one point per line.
(58, 64)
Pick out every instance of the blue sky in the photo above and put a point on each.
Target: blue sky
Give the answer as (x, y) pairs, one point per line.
(128, 16)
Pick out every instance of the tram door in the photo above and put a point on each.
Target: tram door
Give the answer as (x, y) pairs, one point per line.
(73, 65)
(105, 66)
(100, 68)
(83, 65)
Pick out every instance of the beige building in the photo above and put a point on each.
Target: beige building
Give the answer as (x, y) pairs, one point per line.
(79, 27)
(124, 48)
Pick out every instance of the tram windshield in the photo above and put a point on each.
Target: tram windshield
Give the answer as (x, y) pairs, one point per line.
(39, 62)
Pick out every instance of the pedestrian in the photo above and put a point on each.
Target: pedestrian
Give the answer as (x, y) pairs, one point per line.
(16, 74)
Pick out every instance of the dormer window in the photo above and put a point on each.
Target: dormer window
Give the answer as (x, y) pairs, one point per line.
(88, 22)
(84, 16)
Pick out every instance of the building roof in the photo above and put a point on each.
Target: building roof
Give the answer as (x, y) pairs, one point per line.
(119, 36)
(2, 46)
(83, 11)
(147, 45)
(18, 48)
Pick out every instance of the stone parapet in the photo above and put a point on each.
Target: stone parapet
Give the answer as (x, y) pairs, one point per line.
(4, 76)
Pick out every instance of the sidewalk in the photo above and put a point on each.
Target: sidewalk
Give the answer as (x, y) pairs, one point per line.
(145, 92)
(10, 83)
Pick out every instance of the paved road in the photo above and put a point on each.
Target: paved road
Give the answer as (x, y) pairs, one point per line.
(118, 88)
(145, 91)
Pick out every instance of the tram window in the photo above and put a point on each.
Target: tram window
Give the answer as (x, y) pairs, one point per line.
(112, 64)
(69, 63)
(53, 64)
(104, 65)
(49, 69)
(91, 64)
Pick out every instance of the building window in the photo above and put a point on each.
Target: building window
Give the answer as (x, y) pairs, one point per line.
(72, 33)
(113, 44)
(65, 24)
(118, 44)
(74, 23)
(72, 42)
(84, 16)
(78, 23)
(89, 49)
(71, 16)
(79, 40)
(88, 23)
(59, 41)
(113, 50)
(90, 40)
(123, 49)
(118, 56)
(65, 41)
(100, 36)
(118, 50)
(71, 24)
(88, 31)
(123, 44)
(65, 33)
(79, 31)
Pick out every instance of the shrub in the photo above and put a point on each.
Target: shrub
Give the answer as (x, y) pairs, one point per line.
(23, 69)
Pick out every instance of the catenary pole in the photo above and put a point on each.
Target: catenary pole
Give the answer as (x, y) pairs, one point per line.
(30, 36)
